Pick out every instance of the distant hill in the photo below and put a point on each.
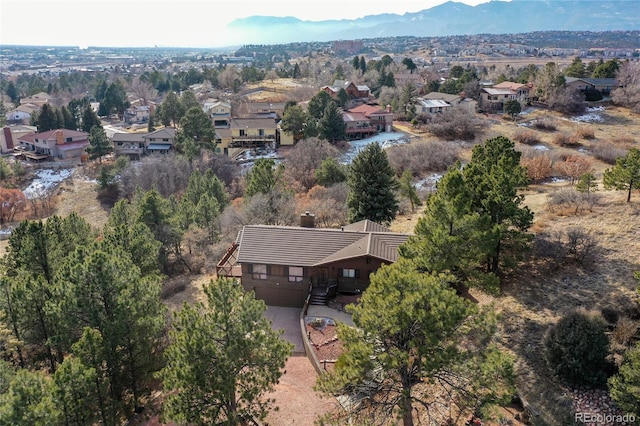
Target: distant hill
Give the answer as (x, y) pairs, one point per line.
(451, 18)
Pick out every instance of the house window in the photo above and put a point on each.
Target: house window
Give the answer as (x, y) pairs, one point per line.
(261, 132)
(259, 272)
(295, 274)
(242, 132)
(350, 273)
(165, 140)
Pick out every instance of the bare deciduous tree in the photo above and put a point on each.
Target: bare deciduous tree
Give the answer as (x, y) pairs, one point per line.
(629, 79)
(304, 159)
(574, 167)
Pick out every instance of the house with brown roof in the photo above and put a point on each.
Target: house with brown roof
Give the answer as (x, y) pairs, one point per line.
(61, 144)
(219, 112)
(493, 98)
(602, 85)
(137, 144)
(22, 114)
(284, 265)
(354, 91)
(38, 99)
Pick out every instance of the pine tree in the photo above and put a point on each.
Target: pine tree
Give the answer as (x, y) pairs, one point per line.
(331, 126)
(625, 175)
(223, 357)
(408, 191)
(408, 332)
(263, 177)
(372, 183)
(99, 144)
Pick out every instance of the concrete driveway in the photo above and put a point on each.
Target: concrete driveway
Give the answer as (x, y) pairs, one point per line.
(287, 319)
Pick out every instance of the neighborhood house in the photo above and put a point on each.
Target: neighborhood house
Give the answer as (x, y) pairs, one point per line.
(61, 144)
(284, 265)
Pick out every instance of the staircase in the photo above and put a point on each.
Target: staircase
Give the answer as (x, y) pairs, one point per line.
(320, 295)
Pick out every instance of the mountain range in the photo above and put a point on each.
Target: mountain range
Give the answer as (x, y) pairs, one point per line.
(451, 18)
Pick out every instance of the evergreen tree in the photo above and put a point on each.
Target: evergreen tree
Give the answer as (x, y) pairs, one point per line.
(172, 110)
(99, 144)
(47, 119)
(90, 119)
(494, 175)
(68, 122)
(223, 357)
(625, 386)
(294, 120)
(196, 125)
(151, 127)
(450, 236)
(625, 175)
(587, 183)
(331, 126)
(318, 104)
(576, 69)
(188, 100)
(363, 65)
(408, 332)
(330, 172)
(12, 93)
(372, 183)
(263, 177)
(108, 293)
(74, 392)
(28, 401)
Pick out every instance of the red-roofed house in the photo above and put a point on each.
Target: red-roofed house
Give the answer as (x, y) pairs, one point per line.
(284, 265)
(381, 119)
(62, 144)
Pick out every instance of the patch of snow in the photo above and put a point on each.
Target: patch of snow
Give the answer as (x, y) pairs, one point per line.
(593, 115)
(541, 147)
(428, 183)
(556, 179)
(386, 139)
(45, 180)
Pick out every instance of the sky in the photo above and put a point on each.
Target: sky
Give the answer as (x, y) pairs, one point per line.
(188, 23)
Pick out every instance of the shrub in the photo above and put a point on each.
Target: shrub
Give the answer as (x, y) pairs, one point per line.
(566, 140)
(582, 247)
(545, 123)
(420, 158)
(626, 329)
(576, 348)
(584, 133)
(607, 152)
(573, 167)
(569, 198)
(456, 124)
(525, 136)
(538, 167)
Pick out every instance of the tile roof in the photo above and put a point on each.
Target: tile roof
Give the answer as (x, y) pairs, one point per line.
(442, 96)
(253, 123)
(297, 246)
(510, 85)
(166, 132)
(128, 137)
(366, 226)
(368, 110)
(493, 91)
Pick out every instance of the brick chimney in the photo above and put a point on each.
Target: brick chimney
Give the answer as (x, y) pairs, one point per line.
(59, 137)
(388, 108)
(307, 220)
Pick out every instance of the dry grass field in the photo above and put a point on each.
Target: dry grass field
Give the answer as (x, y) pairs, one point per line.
(538, 293)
